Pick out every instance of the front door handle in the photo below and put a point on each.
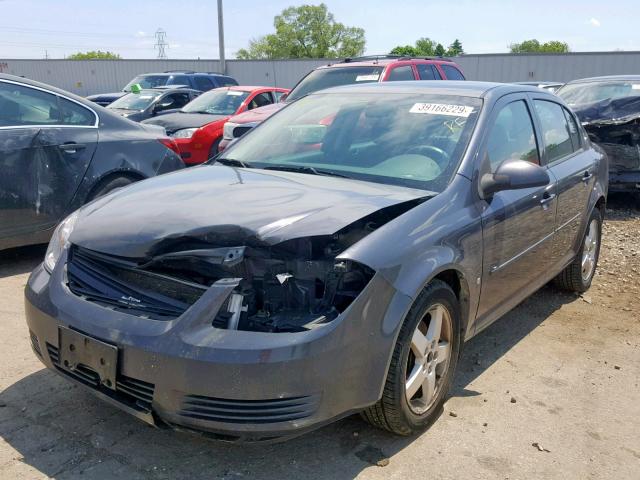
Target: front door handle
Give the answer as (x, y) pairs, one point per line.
(546, 198)
(587, 176)
(71, 148)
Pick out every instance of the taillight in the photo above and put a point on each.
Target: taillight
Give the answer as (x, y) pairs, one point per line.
(170, 144)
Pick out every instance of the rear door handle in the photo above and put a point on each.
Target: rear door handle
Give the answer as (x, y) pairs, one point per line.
(71, 147)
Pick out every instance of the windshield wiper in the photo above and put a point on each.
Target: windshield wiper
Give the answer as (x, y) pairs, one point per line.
(305, 169)
(231, 162)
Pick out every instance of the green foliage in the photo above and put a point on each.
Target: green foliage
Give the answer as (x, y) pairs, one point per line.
(307, 31)
(534, 46)
(94, 55)
(425, 47)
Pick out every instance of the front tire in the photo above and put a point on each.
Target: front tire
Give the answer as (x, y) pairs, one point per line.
(423, 364)
(578, 275)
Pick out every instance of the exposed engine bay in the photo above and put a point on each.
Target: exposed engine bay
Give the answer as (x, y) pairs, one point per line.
(291, 286)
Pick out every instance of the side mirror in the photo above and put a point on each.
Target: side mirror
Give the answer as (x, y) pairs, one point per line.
(283, 97)
(513, 175)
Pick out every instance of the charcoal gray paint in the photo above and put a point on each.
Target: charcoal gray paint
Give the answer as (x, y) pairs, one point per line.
(344, 362)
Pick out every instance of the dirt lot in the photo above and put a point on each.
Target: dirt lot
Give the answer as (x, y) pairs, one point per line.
(550, 391)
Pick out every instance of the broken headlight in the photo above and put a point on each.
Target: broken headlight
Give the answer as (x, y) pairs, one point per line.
(59, 241)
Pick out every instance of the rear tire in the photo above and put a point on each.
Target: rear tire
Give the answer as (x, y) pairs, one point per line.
(403, 408)
(578, 275)
(109, 185)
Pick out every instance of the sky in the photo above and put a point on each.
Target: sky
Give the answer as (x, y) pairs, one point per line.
(56, 28)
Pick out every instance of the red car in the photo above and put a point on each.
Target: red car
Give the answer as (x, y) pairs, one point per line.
(385, 68)
(197, 127)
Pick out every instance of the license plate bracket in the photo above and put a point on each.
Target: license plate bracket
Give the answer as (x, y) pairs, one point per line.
(77, 349)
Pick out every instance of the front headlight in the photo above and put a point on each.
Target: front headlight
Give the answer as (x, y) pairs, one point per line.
(59, 241)
(227, 130)
(184, 133)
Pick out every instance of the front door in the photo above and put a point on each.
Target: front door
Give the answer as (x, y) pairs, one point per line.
(518, 225)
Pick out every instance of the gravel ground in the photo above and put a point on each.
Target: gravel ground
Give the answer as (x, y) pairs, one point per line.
(550, 391)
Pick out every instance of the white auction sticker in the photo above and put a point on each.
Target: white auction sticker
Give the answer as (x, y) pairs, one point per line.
(635, 86)
(368, 78)
(442, 109)
(235, 93)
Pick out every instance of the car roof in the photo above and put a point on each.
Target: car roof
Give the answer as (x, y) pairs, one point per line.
(442, 87)
(608, 78)
(248, 88)
(50, 88)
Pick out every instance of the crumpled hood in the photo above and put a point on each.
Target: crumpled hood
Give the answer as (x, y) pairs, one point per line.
(609, 111)
(223, 206)
(173, 122)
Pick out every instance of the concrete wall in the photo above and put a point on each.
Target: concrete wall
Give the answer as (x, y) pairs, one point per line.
(98, 76)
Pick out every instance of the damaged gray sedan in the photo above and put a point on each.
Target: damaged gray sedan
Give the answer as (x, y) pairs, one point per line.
(332, 261)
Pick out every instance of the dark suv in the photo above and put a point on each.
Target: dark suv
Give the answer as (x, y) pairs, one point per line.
(370, 69)
(185, 78)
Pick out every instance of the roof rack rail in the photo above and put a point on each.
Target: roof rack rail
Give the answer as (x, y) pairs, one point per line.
(446, 59)
(179, 71)
(374, 57)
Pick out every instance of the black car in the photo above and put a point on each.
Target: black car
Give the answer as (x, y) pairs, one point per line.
(609, 109)
(201, 81)
(148, 103)
(59, 151)
(333, 260)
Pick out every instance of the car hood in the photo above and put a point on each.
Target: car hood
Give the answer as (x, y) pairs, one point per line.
(106, 97)
(222, 206)
(173, 122)
(257, 114)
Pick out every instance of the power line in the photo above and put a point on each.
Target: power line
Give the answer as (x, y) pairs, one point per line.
(161, 43)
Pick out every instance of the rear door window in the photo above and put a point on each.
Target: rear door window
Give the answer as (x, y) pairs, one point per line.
(425, 72)
(452, 72)
(179, 80)
(203, 83)
(574, 131)
(512, 136)
(401, 73)
(555, 130)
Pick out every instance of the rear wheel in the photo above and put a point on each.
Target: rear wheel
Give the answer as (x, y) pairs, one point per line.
(423, 364)
(578, 275)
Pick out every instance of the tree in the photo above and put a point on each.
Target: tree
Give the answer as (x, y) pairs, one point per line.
(425, 47)
(308, 31)
(455, 49)
(534, 46)
(94, 55)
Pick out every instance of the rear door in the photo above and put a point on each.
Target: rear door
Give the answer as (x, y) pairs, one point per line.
(572, 164)
(518, 225)
(46, 145)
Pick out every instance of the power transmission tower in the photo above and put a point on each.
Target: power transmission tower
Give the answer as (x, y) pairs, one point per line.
(161, 43)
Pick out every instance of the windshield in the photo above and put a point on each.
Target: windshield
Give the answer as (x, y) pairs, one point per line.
(334, 77)
(135, 101)
(221, 101)
(591, 92)
(412, 140)
(148, 81)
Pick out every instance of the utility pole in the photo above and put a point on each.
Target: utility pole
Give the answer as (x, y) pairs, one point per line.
(161, 43)
(46, 55)
(223, 63)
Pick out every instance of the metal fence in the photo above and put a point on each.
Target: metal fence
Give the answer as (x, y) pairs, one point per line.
(86, 77)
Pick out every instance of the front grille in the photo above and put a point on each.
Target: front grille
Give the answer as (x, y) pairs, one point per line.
(248, 411)
(131, 391)
(118, 284)
(35, 344)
